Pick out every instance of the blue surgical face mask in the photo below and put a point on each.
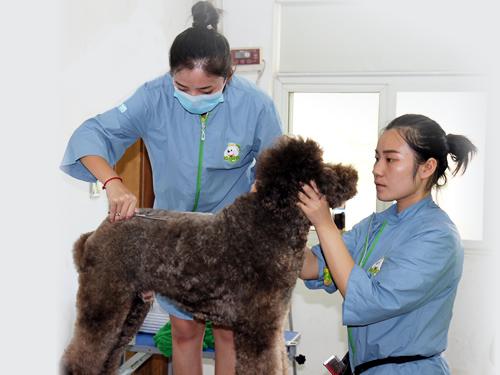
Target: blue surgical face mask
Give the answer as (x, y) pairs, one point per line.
(198, 104)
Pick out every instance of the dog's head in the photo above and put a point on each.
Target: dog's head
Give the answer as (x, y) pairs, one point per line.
(292, 162)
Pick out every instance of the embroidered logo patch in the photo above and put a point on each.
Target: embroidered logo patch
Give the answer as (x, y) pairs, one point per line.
(373, 270)
(122, 107)
(232, 152)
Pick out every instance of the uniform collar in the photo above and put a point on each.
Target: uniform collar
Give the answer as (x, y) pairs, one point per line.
(393, 216)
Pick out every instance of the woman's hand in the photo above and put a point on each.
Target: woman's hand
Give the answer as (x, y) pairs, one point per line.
(121, 201)
(338, 259)
(314, 205)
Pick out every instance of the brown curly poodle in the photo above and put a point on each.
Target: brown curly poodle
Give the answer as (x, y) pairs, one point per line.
(236, 268)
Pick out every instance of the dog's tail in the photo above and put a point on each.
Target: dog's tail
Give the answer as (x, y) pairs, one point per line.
(79, 251)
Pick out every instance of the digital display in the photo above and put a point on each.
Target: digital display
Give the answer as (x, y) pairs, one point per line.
(246, 56)
(242, 54)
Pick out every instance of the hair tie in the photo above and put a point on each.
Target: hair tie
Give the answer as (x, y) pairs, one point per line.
(209, 27)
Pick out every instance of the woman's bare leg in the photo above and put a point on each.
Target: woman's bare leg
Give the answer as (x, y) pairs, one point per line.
(187, 344)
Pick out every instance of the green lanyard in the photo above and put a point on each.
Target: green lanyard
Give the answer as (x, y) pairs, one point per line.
(365, 255)
(362, 262)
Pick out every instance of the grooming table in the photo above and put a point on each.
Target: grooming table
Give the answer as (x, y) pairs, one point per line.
(144, 347)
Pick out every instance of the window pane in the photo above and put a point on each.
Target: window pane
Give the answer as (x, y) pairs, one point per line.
(459, 113)
(346, 127)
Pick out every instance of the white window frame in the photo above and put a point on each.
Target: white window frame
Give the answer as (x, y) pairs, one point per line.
(387, 85)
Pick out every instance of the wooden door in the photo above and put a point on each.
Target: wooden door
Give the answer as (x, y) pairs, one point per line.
(135, 169)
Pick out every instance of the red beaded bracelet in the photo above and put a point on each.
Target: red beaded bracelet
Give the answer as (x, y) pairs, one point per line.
(110, 179)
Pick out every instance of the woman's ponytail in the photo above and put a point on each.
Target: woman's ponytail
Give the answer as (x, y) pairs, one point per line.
(461, 150)
(205, 15)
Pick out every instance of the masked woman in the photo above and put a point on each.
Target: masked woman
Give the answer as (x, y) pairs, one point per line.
(203, 129)
(398, 270)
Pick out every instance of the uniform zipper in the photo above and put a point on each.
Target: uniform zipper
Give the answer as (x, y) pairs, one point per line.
(203, 121)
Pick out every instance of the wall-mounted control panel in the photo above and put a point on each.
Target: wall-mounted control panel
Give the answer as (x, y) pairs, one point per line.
(245, 56)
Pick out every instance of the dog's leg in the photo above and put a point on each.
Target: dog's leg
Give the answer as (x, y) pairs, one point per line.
(283, 354)
(100, 318)
(259, 352)
(130, 327)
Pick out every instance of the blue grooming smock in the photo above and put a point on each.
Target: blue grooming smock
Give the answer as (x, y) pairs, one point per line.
(215, 163)
(247, 119)
(400, 303)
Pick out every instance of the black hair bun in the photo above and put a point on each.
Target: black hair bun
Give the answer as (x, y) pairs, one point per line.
(205, 15)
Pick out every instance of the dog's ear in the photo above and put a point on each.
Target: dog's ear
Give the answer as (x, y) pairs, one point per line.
(338, 183)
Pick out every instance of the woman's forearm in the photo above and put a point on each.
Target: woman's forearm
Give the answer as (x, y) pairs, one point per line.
(310, 267)
(338, 258)
(99, 167)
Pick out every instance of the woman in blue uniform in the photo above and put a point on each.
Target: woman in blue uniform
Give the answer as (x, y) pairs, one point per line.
(398, 270)
(203, 129)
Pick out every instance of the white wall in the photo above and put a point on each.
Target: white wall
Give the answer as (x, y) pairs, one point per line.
(250, 24)
(29, 227)
(384, 35)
